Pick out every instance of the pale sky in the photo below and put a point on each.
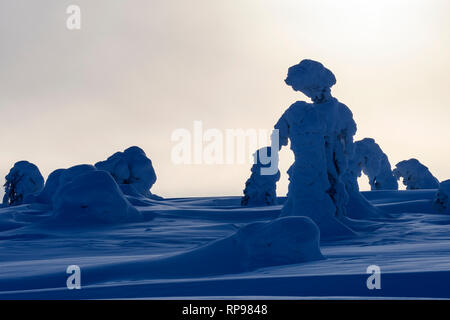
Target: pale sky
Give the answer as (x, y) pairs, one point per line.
(138, 70)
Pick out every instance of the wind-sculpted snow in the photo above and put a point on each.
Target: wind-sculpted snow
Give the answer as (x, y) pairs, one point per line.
(260, 189)
(133, 169)
(441, 201)
(415, 175)
(375, 164)
(282, 241)
(92, 196)
(23, 182)
(257, 245)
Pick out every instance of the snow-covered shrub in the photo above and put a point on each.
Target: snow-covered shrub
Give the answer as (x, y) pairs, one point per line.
(415, 175)
(442, 199)
(92, 196)
(375, 164)
(23, 182)
(132, 168)
(321, 136)
(260, 189)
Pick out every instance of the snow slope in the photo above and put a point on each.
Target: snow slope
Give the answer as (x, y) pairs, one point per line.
(183, 248)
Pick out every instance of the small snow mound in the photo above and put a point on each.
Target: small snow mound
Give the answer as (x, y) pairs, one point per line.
(442, 199)
(281, 241)
(260, 189)
(131, 167)
(415, 175)
(23, 182)
(93, 196)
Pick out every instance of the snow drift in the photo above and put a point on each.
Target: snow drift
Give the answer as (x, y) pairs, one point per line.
(23, 182)
(260, 189)
(281, 241)
(257, 245)
(415, 175)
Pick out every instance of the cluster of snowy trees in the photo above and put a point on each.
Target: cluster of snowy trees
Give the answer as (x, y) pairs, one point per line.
(323, 178)
(86, 192)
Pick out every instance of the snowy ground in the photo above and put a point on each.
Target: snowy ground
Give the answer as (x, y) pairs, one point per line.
(134, 260)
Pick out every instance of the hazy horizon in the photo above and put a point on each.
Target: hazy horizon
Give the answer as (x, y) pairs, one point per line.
(138, 70)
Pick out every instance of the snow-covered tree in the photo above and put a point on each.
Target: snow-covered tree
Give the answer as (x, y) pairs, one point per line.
(442, 199)
(260, 189)
(23, 181)
(415, 175)
(132, 170)
(321, 136)
(370, 159)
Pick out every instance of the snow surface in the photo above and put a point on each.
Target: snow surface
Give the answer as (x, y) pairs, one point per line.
(415, 175)
(182, 249)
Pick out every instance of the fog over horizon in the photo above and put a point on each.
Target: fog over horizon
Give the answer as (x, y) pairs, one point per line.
(138, 70)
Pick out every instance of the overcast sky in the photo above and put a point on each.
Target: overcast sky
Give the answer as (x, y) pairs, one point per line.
(138, 70)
